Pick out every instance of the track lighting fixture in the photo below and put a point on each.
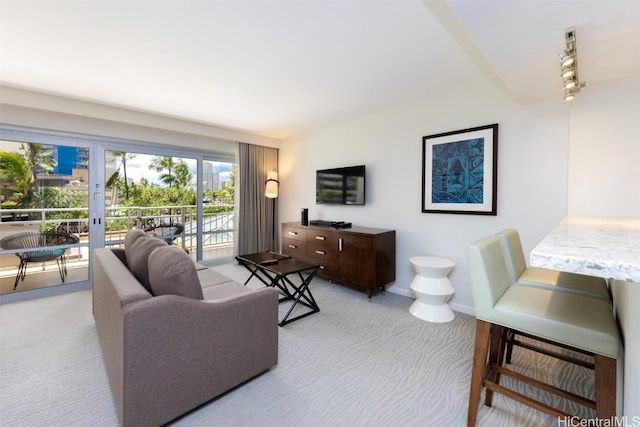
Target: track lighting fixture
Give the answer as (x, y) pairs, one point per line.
(569, 66)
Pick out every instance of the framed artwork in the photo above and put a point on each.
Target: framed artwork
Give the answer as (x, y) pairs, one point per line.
(459, 171)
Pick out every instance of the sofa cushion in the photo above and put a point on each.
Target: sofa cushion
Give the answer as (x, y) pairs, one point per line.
(131, 236)
(172, 272)
(138, 257)
(209, 277)
(226, 290)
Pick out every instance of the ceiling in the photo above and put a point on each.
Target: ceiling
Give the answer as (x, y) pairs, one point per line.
(280, 68)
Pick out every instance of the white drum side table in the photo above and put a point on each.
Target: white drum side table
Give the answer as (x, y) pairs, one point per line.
(432, 288)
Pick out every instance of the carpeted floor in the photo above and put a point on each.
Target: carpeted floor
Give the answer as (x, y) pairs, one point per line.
(354, 363)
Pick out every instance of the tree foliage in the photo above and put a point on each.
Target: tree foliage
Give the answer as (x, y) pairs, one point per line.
(40, 160)
(20, 188)
(17, 178)
(115, 180)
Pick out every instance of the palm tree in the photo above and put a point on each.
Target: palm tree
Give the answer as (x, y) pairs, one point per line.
(16, 174)
(164, 163)
(183, 174)
(121, 156)
(40, 159)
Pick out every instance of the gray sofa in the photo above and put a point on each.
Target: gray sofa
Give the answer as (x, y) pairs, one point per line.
(175, 334)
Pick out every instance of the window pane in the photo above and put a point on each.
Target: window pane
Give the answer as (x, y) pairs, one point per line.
(44, 203)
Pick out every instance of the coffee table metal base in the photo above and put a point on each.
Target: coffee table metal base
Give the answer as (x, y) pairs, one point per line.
(275, 270)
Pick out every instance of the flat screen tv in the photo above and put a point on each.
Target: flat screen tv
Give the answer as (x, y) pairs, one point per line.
(340, 186)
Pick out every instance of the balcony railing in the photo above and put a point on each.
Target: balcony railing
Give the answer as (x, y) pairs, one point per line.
(217, 228)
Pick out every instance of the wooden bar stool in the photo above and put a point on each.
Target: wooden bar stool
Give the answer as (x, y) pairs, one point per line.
(570, 320)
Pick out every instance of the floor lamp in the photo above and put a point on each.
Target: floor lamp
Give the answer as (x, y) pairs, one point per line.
(271, 192)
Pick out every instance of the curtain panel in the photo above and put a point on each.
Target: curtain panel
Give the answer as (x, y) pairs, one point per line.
(257, 215)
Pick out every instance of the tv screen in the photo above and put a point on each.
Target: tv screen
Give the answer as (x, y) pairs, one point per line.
(340, 186)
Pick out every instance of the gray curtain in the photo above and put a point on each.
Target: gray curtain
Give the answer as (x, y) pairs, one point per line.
(258, 228)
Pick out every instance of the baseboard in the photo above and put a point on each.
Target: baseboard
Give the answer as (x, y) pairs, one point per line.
(460, 308)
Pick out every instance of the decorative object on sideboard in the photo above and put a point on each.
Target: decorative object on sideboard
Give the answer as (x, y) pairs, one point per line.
(569, 66)
(460, 171)
(304, 216)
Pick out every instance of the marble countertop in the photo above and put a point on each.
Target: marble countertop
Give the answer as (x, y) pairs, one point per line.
(607, 247)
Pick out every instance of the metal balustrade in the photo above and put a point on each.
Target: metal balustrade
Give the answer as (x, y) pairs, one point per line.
(218, 228)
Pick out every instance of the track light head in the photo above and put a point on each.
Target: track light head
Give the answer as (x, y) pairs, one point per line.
(569, 95)
(567, 58)
(567, 72)
(570, 84)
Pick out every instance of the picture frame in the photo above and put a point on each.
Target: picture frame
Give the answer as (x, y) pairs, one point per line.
(460, 171)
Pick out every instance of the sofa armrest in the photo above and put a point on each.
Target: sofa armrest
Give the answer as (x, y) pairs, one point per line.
(180, 352)
(119, 252)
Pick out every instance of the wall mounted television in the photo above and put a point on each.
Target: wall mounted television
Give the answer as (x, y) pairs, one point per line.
(341, 186)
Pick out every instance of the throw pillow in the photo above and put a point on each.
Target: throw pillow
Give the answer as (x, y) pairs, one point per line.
(138, 257)
(172, 272)
(131, 236)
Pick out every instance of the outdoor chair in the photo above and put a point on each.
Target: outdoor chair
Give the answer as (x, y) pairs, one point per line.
(36, 239)
(170, 230)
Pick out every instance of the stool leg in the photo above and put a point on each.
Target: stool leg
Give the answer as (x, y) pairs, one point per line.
(477, 371)
(496, 353)
(605, 385)
(510, 337)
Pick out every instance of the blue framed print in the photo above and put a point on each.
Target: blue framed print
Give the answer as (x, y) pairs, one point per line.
(459, 171)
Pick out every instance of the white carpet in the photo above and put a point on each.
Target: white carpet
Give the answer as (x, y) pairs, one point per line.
(355, 363)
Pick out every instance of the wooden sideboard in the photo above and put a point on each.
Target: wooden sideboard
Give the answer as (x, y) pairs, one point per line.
(358, 256)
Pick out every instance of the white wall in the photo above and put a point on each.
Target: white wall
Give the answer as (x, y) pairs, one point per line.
(532, 175)
(604, 164)
(36, 110)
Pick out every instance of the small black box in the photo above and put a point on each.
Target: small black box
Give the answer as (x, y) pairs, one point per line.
(304, 216)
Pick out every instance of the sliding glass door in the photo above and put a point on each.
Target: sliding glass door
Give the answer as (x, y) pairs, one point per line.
(63, 195)
(218, 212)
(186, 200)
(44, 202)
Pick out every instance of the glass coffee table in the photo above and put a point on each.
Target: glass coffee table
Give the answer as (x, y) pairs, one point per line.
(276, 270)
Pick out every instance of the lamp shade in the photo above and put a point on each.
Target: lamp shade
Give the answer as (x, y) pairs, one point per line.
(271, 187)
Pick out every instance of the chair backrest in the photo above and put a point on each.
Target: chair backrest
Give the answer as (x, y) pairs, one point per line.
(34, 239)
(488, 274)
(512, 251)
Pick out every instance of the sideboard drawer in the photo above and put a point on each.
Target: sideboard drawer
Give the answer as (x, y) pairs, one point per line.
(294, 248)
(329, 238)
(328, 270)
(322, 251)
(295, 233)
